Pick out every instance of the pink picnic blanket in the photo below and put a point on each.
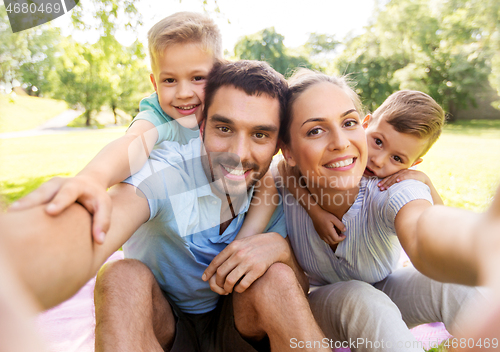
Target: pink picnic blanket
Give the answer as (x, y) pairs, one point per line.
(69, 327)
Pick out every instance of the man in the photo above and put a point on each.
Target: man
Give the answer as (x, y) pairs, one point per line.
(191, 190)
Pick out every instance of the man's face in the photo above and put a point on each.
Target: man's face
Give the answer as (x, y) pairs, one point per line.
(240, 137)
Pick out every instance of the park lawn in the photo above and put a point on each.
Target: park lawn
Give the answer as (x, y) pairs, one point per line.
(25, 163)
(18, 113)
(464, 164)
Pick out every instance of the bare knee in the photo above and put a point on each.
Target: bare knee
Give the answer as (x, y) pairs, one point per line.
(122, 276)
(277, 286)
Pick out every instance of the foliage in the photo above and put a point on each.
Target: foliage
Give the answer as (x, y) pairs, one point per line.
(128, 75)
(320, 43)
(413, 45)
(105, 15)
(82, 74)
(267, 45)
(102, 73)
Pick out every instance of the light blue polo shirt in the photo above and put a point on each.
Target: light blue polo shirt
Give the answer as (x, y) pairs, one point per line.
(168, 129)
(181, 237)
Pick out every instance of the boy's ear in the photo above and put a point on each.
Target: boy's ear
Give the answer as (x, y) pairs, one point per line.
(418, 161)
(366, 121)
(152, 78)
(202, 128)
(287, 154)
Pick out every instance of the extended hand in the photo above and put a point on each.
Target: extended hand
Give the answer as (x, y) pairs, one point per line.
(60, 193)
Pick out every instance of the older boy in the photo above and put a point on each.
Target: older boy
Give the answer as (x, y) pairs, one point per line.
(183, 48)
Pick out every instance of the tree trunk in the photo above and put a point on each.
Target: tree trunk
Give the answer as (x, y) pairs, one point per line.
(452, 111)
(113, 106)
(87, 114)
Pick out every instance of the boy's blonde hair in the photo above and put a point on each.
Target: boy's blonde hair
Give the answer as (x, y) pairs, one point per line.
(183, 28)
(415, 113)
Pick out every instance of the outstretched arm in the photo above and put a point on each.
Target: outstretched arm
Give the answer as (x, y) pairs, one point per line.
(54, 256)
(114, 163)
(449, 244)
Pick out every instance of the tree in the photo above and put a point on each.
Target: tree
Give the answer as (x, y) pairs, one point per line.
(267, 45)
(83, 77)
(410, 46)
(13, 50)
(320, 44)
(128, 75)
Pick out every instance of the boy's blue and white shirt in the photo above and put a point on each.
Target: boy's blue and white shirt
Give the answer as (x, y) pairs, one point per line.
(371, 249)
(168, 129)
(181, 237)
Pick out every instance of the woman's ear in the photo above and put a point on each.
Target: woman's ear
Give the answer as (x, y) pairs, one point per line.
(418, 161)
(287, 154)
(366, 121)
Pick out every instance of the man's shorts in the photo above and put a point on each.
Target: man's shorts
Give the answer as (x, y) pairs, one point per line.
(214, 331)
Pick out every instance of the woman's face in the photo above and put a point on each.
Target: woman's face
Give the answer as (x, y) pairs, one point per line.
(328, 142)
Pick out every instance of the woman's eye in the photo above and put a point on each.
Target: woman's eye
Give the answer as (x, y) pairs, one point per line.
(378, 142)
(198, 78)
(350, 123)
(314, 131)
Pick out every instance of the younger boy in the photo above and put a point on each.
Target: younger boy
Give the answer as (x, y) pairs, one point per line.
(398, 134)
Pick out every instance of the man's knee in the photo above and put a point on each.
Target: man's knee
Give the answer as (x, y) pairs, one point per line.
(278, 277)
(278, 281)
(122, 275)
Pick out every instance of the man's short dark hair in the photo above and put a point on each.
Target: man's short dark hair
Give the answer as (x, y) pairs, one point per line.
(252, 77)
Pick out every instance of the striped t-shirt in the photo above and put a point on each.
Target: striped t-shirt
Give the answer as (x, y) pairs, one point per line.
(371, 249)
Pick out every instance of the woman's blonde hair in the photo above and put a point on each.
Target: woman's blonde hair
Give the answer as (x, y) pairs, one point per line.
(303, 79)
(183, 28)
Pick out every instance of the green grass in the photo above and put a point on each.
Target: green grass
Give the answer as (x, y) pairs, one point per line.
(463, 164)
(25, 163)
(18, 113)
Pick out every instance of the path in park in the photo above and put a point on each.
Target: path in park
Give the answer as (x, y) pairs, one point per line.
(55, 125)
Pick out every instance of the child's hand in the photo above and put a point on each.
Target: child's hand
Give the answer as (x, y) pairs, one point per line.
(60, 193)
(401, 175)
(328, 227)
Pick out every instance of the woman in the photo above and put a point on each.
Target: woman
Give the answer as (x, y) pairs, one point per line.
(357, 293)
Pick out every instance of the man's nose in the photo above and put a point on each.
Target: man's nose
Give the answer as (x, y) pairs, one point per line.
(241, 147)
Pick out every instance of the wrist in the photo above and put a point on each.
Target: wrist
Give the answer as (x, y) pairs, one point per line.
(92, 178)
